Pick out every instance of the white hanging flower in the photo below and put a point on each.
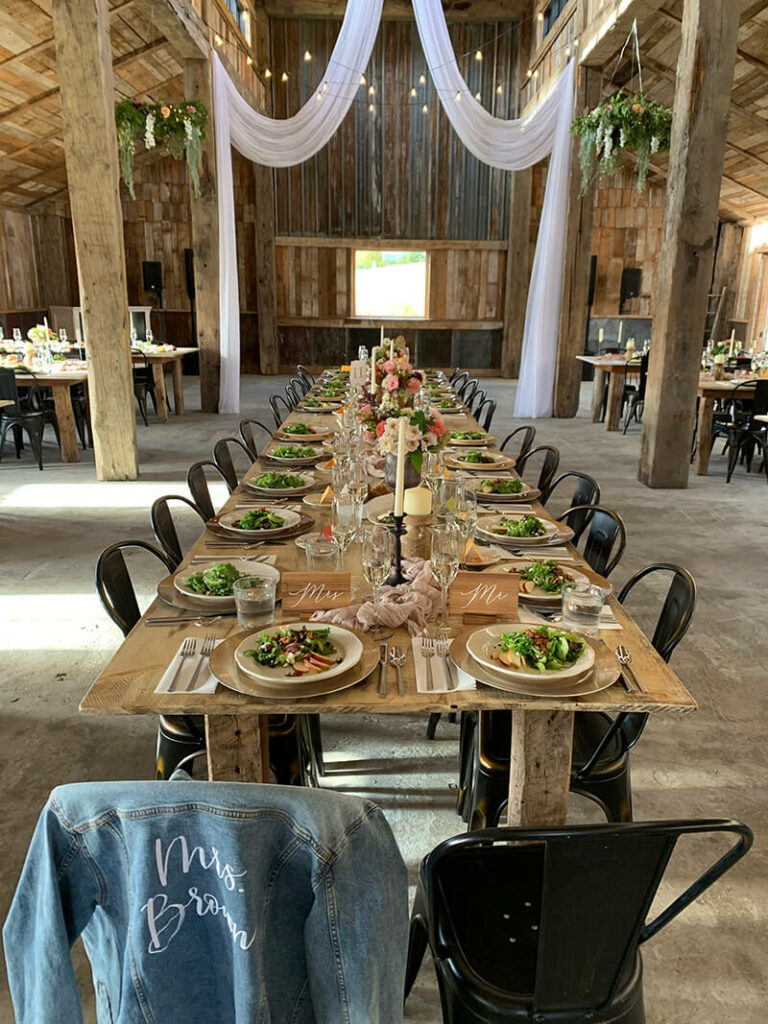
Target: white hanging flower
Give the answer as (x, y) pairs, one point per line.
(654, 144)
(608, 148)
(149, 132)
(599, 138)
(622, 138)
(188, 127)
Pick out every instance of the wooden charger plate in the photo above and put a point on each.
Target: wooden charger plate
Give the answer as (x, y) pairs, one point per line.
(305, 523)
(223, 666)
(605, 673)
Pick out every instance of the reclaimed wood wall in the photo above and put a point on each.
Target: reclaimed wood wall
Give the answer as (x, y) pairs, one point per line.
(37, 261)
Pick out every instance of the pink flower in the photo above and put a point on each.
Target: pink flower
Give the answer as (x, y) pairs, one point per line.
(438, 428)
(365, 412)
(380, 428)
(369, 436)
(389, 366)
(191, 109)
(413, 385)
(165, 111)
(391, 382)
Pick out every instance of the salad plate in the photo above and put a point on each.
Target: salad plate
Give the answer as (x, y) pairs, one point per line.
(298, 650)
(297, 454)
(519, 529)
(280, 484)
(310, 436)
(209, 584)
(315, 500)
(274, 520)
(539, 579)
(470, 438)
(503, 489)
(562, 655)
(477, 459)
(319, 406)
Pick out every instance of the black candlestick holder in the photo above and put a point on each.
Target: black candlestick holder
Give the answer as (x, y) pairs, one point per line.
(396, 576)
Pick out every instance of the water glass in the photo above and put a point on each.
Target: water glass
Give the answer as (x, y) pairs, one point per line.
(17, 334)
(444, 560)
(254, 601)
(362, 352)
(322, 554)
(434, 472)
(582, 604)
(345, 521)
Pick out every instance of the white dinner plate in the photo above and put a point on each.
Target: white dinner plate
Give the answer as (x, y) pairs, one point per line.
(325, 407)
(228, 520)
(348, 646)
(485, 526)
(526, 494)
(282, 492)
(287, 460)
(319, 435)
(457, 460)
(458, 442)
(538, 596)
(481, 643)
(243, 567)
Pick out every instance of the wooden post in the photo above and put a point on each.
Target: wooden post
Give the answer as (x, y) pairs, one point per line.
(266, 284)
(204, 211)
(540, 767)
(84, 62)
(578, 248)
(700, 118)
(725, 275)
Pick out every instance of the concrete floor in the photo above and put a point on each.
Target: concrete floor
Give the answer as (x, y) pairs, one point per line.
(708, 967)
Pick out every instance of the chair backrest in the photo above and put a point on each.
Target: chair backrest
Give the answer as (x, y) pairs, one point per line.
(164, 528)
(198, 485)
(275, 401)
(677, 610)
(643, 375)
(606, 538)
(292, 397)
(468, 389)
(300, 385)
(304, 373)
(526, 435)
(454, 374)
(477, 399)
(486, 409)
(555, 915)
(9, 391)
(114, 584)
(760, 402)
(586, 492)
(222, 456)
(460, 380)
(246, 435)
(142, 374)
(551, 460)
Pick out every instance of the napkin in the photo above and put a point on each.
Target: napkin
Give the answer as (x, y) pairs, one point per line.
(439, 676)
(206, 682)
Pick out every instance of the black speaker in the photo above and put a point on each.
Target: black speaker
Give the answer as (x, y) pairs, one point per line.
(631, 283)
(152, 275)
(189, 267)
(592, 280)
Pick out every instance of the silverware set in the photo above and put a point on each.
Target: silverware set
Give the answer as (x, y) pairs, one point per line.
(189, 649)
(198, 620)
(631, 682)
(438, 647)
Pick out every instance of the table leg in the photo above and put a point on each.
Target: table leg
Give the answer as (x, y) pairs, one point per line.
(158, 373)
(65, 416)
(597, 394)
(615, 395)
(178, 387)
(704, 435)
(238, 748)
(540, 767)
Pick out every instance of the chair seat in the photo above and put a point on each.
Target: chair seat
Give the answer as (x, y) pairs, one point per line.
(588, 731)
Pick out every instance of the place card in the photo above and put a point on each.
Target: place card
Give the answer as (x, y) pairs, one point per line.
(359, 372)
(315, 591)
(492, 594)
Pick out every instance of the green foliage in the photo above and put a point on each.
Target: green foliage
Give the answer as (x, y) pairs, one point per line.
(366, 259)
(622, 123)
(179, 128)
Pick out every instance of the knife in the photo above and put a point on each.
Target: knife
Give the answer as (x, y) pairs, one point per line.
(383, 649)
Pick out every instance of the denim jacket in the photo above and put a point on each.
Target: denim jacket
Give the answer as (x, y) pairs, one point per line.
(210, 903)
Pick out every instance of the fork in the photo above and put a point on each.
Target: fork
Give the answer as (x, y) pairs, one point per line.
(188, 648)
(428, 650)
(625, 660)
(441, 649)
(206, 650)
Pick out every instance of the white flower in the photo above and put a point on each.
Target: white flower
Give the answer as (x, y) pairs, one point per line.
(599, 138)
(412, 435)
(188, 127)
(654, 144)
(608, 148)
(622, 138)
(149, 132)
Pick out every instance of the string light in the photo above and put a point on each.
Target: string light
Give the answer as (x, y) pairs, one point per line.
(362, 79)
(575, 43)
(567, 51)
(425, 109)
(371, 91)
(499, 90)
(478, 96)
(458, 97)
(307, 55)
(318, 96)
(267, 73)
(536, 74)
(325, 87)
(422, 79)
(413, 92)
(284, 76)
(249, 61)
(529, 73)
(217, 39)
(478, 54)
(540, 16)
(371, 109)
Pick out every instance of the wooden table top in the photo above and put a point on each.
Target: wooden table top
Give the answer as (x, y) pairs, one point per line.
(164, 357)
(127, 683)
(68, 377)
(612, 364)
(713, 388)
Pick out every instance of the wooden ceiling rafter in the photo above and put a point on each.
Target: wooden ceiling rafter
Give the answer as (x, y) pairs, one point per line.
(44, 44)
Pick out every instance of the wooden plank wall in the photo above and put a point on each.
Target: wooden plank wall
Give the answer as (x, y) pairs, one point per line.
(37, 261)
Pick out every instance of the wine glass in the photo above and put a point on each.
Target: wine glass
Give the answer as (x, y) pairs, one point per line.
(376, 554)
(344, 522)
(434, 472)
(63, 336)
(444, 560)
(357, 480)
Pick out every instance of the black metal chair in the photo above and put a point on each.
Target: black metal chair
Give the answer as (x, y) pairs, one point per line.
(527, 434)
(306, 376)
(586, 492)
(143, 383)
(551, 460)
(479, 395)
(300, 386)
(164, 528)
(636, 398)
(544, 925)
(606, 538)
(246, 435)
(198, 486)
(468, 389)
(17, 419)
(454, 374)
(178, 736)
(742, 431)
(460, 380)
(484, 413)
(275, 401)
(222, 456)
(292, 397)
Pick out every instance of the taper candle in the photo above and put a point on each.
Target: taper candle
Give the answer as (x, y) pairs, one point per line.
(373, 372)
(400, 478)
(391, 348)
(621, 334)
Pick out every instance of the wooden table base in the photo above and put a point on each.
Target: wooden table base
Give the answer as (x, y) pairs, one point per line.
(615, 396)
(598, 388)
(238, 748)
(540, 767)
(704, 435)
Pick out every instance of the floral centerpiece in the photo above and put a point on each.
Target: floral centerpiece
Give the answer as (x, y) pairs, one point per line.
(398, 381)
(399, 351)
(424, 431)
(41, 335)
(180, 128)
(622, 122)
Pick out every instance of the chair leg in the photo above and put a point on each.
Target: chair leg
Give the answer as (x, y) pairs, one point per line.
(142, 402)
(417, 942)
(35, 429)
(18, 439)
(3, 432)
(434, 718)
(614, 794)
(171, 750)
(733, 456)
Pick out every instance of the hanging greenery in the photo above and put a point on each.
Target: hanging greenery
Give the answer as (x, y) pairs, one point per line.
(622, 123)
(180, 129)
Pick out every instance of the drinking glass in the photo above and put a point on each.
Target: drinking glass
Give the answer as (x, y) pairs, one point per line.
(150, 336)
(254, 601)
(344, 522)
(582, 604)
(376, 552)
(322, 554)
(434, 472)
(17, 334)
(357, 480)
(362, 352)
(444, 560)
(63, 335)
(2, 336)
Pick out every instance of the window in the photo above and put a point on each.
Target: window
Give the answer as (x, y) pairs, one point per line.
(552, 12)
(390, 283)
(240, 14)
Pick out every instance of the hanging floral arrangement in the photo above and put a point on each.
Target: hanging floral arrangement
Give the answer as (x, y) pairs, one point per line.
(180, 129)
(622, 123)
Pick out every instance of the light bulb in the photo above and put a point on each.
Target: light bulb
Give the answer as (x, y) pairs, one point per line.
(478, 54)
(249, 61)
(307, 55)
(362, 79)
(499, 90)
(371, 109)
(540, 16)
(478, 97)
(422, 79)
(575, 42)
(217, 39)
(284, 76)
(529, 73)
(318, 96)
(371, 91)
(425, 109)
(325, 87)
(267, 73)
(567, 51)
(413, 92)
(535, 74)
(458, 97)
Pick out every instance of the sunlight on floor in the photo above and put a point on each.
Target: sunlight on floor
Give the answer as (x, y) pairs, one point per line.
(125, 494)
(56, 622)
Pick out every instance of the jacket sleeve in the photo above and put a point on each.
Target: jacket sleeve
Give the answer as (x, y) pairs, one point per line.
(356, 936)
(54, 900)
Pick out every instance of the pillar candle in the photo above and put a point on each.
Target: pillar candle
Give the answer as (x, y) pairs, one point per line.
(621, 333)
(45, 323)
(600, 336)
(400, 478)
(733, 342)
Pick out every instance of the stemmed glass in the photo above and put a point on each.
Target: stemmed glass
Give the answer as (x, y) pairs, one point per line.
(376, 554)
(444, 560)
(345, 521)
(434, 472)
(357, 480)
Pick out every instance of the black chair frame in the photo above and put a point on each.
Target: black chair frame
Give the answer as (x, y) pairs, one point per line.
(164, 528)
(198, 485)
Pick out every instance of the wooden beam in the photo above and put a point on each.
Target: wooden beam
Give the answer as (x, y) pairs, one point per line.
(704, 80)
(726, 272)
(578, 249)
(401, 10)
(84, 60)
(44, 44)
(204, 211)
(604, 36)
(266, 283)
(182, 26)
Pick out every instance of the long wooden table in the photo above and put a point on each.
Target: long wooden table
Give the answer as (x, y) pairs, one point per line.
(236, 724)
(60, 382)
(616, 367)
(709, 392)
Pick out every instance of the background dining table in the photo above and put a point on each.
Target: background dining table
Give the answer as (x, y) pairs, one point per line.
(60, 382)
(709, 392)
(161, 364)
(616, 367)
(236, 724)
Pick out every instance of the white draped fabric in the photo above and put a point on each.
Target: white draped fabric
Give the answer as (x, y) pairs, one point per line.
(514, 145)
(511, 145)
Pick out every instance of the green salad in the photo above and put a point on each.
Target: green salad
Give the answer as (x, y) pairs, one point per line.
(300, 650)
(259, 519)
(215, 581)
(546, 575)
(446, 404)
(280, 481)
(476, 457)
(290, 451)
(540, 647)
(314, 403)
(503, 485)
(298, 428)
(527, 526)
(467, 435)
